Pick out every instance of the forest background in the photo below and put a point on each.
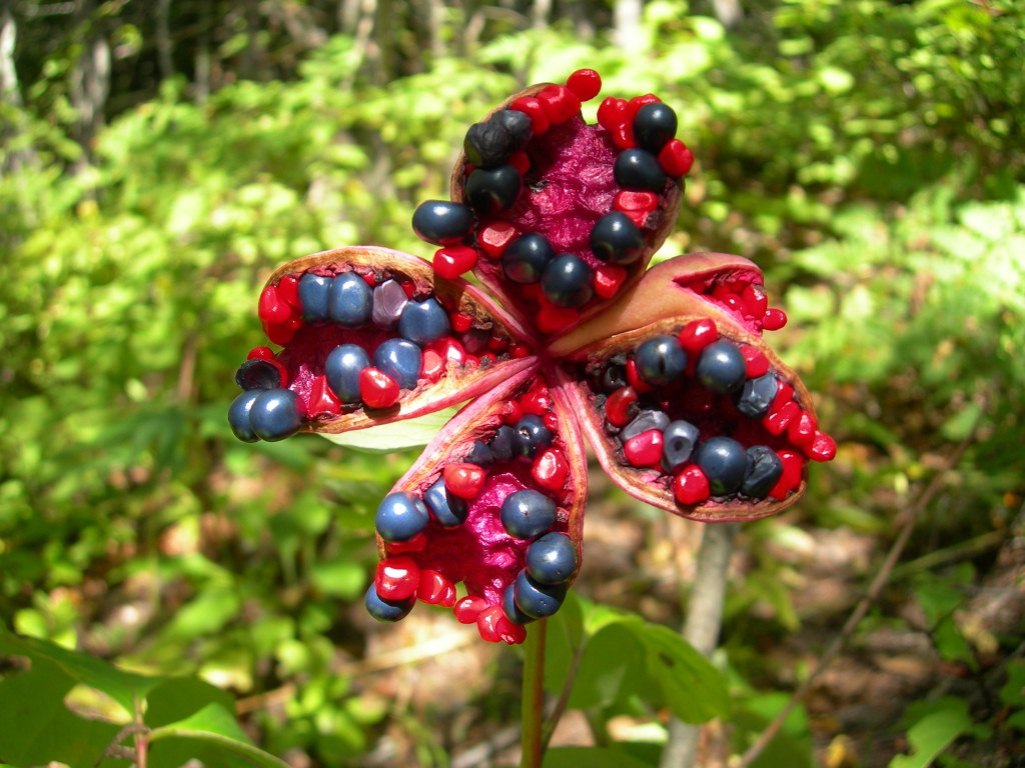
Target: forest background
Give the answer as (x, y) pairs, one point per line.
(160, 158)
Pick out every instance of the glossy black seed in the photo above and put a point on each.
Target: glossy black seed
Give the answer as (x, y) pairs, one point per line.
(424, 321)
(401, 360)
(525, 258)
(764, 469)
(757, 395)
(512, 611)
(442, 222)
(660, 360)
(678, 441)
(480, 455)
(527, 513)
(643, 422)
(616, 239)
(639, 169)
(613, 377)
(274, 415)
(313, 291)
(448, 509)
(238, 416)
(567, 281)
(504, 444)
(654, 125)
(537, 600)
(551, 559)
(389, 301)
(342, 369)
(516, 124)
(489, 190)
(487, 144)
(724, 462)
(721, 367)
(532, 436)
(257, 374)
(387, 610)
(349, 300)
(400, 516)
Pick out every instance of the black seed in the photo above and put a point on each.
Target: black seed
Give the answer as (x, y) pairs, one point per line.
(442, 222)
(480, 455)
(516, 124)
(678, 441)
(616, 239)
(532, 435)
(757, 395)
(567, 281)
(489, 190)
(724, 462)
(764, 468)
(504, 443)
(257, 374)
(487, 144)
(644, 421)
(721, 367)
(654, 125)
(525, 258)
(613, 377)
(637, 169)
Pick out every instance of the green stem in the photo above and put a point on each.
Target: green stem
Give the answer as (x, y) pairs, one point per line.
(532, 707)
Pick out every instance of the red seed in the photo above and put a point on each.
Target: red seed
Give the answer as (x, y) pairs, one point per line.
(450, 349)
(623, 136)
(288, 291)
(322, 399)
(645, 449)
(585, 84)
(415, 544)
(635, 380)
(511, 412)
(377, 389)
(532, 108)
(409, 287)
(630, 200)
(551, 318)
(397, 578)
(435, 589)
(453, 260)
(611, 112)
(494, 626)
(518, 351)
(495, 237)
(433, 367)
(634, 105)
(460, 321)
(696, 335)
(551, 421)
(498, 344)
(793, 471)
(675, 158)
(536, 401)
(486, 359)
(608, 279)
(822, 448)
(774, 319)
(521, 162)
(550, 470)
(370, 279)
(468, 609)
(756, 361)
(279, 333)
(776, 420)
(464, 480)
(690, 486)
(755, 300)
(618, 406)
(801, 430)
(559, 103)
(260, 353)
(271, 308)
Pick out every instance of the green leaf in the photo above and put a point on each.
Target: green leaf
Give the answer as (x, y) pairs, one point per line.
(212, 735)
(396, 435)
(590, 757)
(611, 666)
(934, 732)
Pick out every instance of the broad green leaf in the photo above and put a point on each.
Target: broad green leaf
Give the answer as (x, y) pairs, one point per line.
(212, 734)
(564, 637)
(591, 757)
(611, 667)
(396, 435)
(934, 732)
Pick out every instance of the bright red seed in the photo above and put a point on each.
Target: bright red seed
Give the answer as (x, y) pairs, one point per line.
(521, 162)
(377, 389)
(777, 420)
(690, 486)
(631, 200)
(397, 578)
(464, 480)
(494, 626)
(288, 291)
(551, 421)
(536, 401)
(498, 344)
(495, 237)
(369, 279)
(435, 589)
(608, 279)
(793, 471)
(433, 367)
(755, 360)
(512, 412)
(618, 406)
(550, 469)
(322, 399)
(675, 158)
(774, 319)
(801, 430)
(611, 112)
(784, 394)
(415, 544)
(559, 103)
(531, 107)
(468, 609)
(634, 378)
(551, 318)
(260, 353)
(696, 335)
(623, 135)
(279, 333)
(453, 260)
(645, 449)
(450, 349)
(637, 102)
(755, 300)
(271, 308)
(518, 351)
(460, 321)
(585, 84)
(409, 287)
(822, 448)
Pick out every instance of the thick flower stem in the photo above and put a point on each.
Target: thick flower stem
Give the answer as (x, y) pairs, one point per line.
(701, 627)
(532, 707)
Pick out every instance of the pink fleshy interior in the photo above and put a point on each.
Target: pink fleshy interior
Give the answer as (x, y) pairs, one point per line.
(712, 286)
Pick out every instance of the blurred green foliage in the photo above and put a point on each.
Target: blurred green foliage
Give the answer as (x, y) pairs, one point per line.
(869, 155)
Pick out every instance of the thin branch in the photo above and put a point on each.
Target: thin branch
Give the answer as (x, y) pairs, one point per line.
(532, 706)
(910, 518)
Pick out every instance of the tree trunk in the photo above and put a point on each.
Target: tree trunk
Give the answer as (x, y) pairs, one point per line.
(728, 12)
(627, 25)
(90, 80)
(165, 46)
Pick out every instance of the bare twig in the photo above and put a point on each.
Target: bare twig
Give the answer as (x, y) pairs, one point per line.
(910, 518)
